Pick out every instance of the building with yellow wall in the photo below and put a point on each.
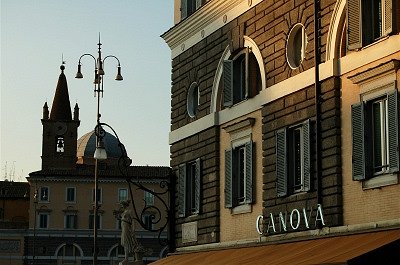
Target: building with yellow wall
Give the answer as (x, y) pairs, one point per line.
(285, 119)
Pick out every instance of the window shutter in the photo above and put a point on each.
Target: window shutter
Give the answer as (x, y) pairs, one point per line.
(306, 155)
(228, 83)
(354, 24)
(228, 178)
(198, 4)
(358, 159)
(393, 128)
(254, 76)
(249, 172)
(197, 185)
(181, 190)
(246, 61)
(387, 17)
(281, 163)
(183, 9)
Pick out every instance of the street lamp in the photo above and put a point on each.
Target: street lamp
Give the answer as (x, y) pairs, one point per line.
(100, 153)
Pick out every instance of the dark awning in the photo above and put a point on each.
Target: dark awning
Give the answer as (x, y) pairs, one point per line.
(326, 250)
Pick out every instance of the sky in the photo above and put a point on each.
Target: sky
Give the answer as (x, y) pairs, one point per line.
(37, 35)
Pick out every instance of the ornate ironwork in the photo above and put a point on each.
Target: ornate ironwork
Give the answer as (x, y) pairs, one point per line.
(163, 196)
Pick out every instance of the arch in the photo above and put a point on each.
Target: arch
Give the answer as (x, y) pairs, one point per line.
(248, 42)
(64, 244)
(335, 30)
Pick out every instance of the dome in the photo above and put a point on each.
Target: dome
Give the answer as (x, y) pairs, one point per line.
(86, 146)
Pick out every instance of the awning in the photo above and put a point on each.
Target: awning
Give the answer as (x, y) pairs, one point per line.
(327, 250)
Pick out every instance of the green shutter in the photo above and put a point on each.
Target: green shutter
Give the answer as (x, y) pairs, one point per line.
(306, 155)
(358, 145)
(197, 185)
(387, 17)
(182, 190)
(183, 9)
(354, 24)
(281, 163)
(198, 4)
(247, 83)
(228, 178)
(228, 82)
(393, 128)
(249, 172)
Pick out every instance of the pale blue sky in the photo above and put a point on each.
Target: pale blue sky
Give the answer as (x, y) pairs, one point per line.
(34, 35)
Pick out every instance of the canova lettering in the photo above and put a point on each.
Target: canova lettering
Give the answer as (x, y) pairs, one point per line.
(296, 218)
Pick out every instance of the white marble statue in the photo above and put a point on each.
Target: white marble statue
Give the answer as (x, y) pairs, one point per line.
(128, 238)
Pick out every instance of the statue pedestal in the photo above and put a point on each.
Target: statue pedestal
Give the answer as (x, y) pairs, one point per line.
(131, 263)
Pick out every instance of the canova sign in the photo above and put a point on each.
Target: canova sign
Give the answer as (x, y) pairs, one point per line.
(284, 222)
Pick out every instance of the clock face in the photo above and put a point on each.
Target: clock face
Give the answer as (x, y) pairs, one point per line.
(61, 128)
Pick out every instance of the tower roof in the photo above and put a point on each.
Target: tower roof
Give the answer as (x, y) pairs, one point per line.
(61, 108)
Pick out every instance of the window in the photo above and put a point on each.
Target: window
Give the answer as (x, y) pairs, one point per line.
(148, 220)
(91, 221)
(99, 197)
(70, 221)
(241, 78)
(189, 188)
(193, 100)
(375, 21)
(375, 136)
(293, 159)
(43, 220)
(239, 175)
(70, 194)
(122, 195)
(60, 144)
(68, 253)
(148, 198)
(117, 254)
(44, 194)
(188, 7)
(296, 46)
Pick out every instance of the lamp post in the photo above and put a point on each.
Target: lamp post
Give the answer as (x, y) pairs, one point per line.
(100, 153)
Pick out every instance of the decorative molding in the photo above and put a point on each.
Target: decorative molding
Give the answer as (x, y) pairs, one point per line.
(380, 70)
(267, 95)
(209, 18)
(333, 39)
(10, 246)
(249, 122)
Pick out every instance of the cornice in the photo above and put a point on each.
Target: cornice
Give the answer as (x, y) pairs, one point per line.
(202, 23)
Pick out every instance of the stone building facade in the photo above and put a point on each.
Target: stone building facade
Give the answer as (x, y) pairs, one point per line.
(264, 153)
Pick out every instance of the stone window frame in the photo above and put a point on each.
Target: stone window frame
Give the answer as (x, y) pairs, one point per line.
(374, 83)
(284, 180)
(39, 223)
(193, 100)
(240, 136)
(183, 188)
(41, 200)
(216, 89)
(66, 195)
(119, 195)
(295, 49)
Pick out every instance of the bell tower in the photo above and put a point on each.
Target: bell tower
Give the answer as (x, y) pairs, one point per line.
(60, 129)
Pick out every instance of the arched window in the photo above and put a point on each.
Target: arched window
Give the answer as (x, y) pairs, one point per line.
(241, 78)
(68, 254)
(116, 254)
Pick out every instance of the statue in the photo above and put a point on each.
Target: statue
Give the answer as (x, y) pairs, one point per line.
(128, 238)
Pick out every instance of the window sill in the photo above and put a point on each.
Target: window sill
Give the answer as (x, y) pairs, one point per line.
(241, 209)
(380, 181)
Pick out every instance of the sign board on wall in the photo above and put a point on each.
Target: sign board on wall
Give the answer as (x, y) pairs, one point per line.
(286, 222)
